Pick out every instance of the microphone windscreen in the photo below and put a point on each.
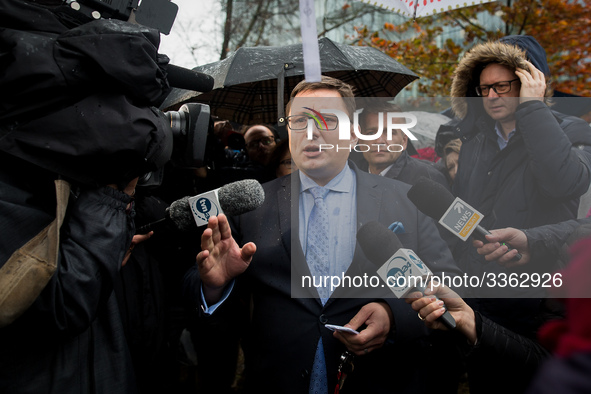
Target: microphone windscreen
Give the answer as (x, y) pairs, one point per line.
(180, 213)
(378, 242)
(430, 197)
(240, 197)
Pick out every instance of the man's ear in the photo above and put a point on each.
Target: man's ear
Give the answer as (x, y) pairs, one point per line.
(354, 138)
(404, 140)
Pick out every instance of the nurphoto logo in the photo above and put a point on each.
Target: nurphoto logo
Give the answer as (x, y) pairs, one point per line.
(329, 119)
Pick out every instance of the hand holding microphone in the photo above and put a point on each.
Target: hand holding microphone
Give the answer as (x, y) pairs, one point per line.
(496, 247)
(439, 301)
(400, 268)
(232, 199)
(435, 201)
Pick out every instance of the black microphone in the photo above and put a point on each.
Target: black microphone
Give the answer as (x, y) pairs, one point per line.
(178, 214)
(234, 199)
(184, 78)
(383, 248)
(434, 200)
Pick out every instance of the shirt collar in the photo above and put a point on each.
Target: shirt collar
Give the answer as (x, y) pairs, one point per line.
(340, 183)
(384, 171)
(500, 138)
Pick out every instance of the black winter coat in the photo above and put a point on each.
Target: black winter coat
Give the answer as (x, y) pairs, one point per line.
(71, 340)
(537, 179)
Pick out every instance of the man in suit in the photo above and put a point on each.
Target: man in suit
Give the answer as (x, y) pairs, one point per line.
(390, 157)
(287, 348)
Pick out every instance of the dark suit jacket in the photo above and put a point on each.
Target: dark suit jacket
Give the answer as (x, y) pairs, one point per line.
(281, 339)
(409, 169)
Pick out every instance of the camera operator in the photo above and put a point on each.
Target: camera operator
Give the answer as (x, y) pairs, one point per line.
(77, 128)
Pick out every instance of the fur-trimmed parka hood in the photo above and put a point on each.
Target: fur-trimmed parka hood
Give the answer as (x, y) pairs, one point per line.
(510, 51)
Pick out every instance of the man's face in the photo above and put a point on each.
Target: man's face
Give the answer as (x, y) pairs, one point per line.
(259, 143)
(324, 164)
(500, 107)
(379, 156)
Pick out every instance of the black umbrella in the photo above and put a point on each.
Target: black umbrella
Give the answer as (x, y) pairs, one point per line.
(253, 83)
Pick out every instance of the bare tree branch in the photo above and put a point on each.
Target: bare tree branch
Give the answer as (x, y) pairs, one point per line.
(227, 29)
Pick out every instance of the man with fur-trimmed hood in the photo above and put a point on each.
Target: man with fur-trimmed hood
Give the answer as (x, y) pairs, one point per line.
(521, 165)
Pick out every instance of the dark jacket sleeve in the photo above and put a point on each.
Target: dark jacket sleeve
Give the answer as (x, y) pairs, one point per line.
(549, 244)
(94, 240)
(560, 153)
(94, 237)
(498, 340)
(498, 348)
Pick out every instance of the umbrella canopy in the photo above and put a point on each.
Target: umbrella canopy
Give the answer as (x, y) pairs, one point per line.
(426, 128)
(253, 83)
(418, 8)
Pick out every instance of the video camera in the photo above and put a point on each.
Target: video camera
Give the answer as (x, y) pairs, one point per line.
(190, 127)
(158, 14)
(91, 116)
(191, 124)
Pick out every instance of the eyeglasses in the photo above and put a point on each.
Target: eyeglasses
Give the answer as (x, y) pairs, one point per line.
(323, 123)
(266, 141)
(287, 163)
(499, 88)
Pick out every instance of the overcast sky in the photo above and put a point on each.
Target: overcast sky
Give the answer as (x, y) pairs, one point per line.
(197, 24)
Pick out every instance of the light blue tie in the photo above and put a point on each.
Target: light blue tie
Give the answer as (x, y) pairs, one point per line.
(317, 258)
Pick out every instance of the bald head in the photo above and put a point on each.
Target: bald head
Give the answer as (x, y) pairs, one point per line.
(260, 142)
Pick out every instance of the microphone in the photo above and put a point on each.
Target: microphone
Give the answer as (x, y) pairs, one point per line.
(434, 200)
(184, 78)
(401, 269)
(232, 199)
(178, 214)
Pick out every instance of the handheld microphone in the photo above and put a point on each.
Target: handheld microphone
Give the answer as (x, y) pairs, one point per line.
(178, 214)
(434, 200)
(401, 269)
(184, 78)
(232, 199)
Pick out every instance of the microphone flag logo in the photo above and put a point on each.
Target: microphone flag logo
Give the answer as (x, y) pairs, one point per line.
(204, 206)
(403, 272)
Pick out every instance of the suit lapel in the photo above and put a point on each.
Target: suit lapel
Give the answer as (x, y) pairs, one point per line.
(369, 198)
(285, 213)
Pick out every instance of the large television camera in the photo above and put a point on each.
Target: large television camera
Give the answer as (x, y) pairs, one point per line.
(83, 104)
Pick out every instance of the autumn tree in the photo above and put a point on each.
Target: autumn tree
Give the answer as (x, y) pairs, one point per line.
(562, 27)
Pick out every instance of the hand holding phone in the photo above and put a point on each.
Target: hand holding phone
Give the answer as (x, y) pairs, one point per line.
(334, 327)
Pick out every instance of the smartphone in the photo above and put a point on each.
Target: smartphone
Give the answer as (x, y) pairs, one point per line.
(333, 327)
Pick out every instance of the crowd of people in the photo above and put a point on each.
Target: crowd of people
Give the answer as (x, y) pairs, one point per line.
(91, 304)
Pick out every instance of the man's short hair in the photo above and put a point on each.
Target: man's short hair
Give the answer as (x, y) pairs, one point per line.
(375, 106)
(345, 90)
